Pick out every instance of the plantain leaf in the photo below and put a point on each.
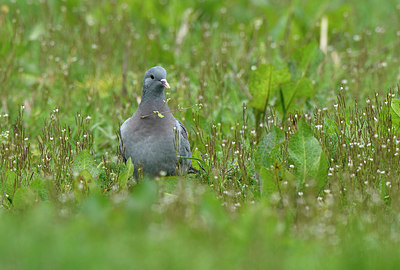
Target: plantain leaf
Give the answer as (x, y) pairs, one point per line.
(264, 84)
(294, 91)
(395, 112)
(85, 161)
(9, 183)
(268, 148)
(305, 153)
(306, 59)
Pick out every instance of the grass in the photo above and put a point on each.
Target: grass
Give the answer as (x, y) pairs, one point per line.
(299, 141)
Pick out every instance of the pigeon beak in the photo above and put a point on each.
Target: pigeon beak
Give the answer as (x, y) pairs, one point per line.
(165, 83)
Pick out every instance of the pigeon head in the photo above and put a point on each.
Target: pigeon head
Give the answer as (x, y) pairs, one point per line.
(155, 79)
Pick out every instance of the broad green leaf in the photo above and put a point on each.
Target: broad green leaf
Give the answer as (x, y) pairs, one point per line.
(306, 59)
(294, 91)
(90, 182)
(395, 105)
(306, 154)
(82, 161)
(395, 112)
(264, 84)
(268, 148)
(269, 184)
(85, 175)
(124, 177)
(196, 160)
(9, 183)
(287, 175)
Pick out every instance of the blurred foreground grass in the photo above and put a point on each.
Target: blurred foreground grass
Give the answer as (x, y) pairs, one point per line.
(267, 75)
(191, 230)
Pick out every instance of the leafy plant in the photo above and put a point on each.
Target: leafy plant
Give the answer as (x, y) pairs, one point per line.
(124, 177)
(84, 161)
(309, 160)
(265, 83)
(395, 112)
(286, 91)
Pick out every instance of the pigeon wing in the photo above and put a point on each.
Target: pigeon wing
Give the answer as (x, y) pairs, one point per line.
(183, 146)
(121, 141)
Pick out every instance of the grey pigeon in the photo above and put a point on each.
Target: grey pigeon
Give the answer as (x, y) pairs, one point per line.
(154, 140)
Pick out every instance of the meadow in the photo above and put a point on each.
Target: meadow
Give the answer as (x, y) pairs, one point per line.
(292, 110)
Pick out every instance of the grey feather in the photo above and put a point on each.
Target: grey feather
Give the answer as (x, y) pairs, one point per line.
(156, 145)
(183, 146)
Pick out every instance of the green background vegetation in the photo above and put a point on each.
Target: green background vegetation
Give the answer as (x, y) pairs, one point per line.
(298, 138)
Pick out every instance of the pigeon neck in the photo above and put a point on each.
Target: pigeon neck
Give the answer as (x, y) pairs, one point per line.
(153, 102)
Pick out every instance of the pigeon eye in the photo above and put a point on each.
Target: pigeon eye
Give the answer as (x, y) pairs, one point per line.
(152, 77)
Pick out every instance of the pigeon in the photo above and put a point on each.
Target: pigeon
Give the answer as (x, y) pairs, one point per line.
(156, 142)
